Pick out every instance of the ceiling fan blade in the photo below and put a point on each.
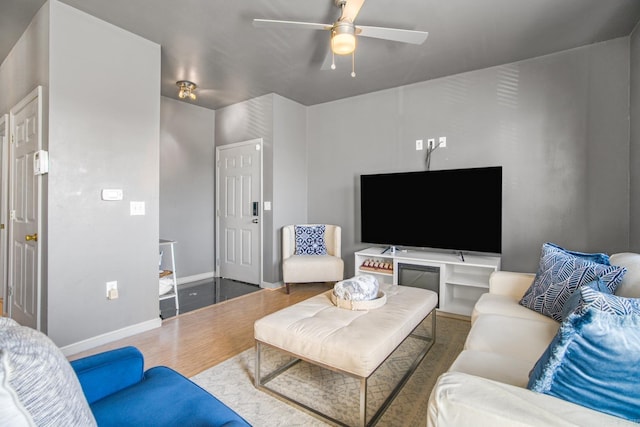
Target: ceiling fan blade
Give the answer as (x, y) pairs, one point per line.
(290, 24)
(394, 34)
(351, 10)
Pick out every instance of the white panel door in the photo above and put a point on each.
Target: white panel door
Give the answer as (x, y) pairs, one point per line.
(238, 195)
(24, 208)
(4, 203)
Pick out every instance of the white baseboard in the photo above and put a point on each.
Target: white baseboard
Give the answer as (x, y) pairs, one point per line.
(111, 336)
(195, 278)
(269, 285)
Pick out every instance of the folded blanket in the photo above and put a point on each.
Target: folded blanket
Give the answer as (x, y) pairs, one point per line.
(359, 288)
(166, 284)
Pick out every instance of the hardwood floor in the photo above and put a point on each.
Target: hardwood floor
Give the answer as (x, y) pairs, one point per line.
(198, 340)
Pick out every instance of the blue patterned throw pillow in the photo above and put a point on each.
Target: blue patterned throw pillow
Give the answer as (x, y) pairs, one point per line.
(593, 359)
(577, 302)
(561, 272)
(310, 240)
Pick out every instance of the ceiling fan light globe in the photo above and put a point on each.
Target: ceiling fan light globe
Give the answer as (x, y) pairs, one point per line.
(343, 44)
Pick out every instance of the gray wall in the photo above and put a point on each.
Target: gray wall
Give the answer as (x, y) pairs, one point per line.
(634, 152)
(289, 175)
(104, 132)
(557, 124)
(187, 171)
(27, 65)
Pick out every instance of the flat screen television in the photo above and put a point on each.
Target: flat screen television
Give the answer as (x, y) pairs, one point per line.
(457, 209)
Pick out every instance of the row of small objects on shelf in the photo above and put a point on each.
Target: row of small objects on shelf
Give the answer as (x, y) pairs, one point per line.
(372, 264)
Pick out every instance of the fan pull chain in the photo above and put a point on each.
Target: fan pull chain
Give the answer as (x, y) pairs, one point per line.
(353, 63)
(333, 60)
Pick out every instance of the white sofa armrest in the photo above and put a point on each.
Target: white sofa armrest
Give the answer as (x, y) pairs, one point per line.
(510, 283)
(460, 399)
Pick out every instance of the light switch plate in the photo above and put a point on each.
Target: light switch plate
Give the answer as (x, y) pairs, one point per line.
(137, 208)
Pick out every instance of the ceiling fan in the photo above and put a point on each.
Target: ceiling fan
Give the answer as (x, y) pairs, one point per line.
(344, 30)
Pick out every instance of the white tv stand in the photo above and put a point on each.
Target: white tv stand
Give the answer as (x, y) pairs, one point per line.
(461, 282)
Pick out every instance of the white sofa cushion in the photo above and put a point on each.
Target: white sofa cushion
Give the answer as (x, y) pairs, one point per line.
(312, 268)
(493, 366)
(505, 305)
(459, 399)
(630, 285)
(523, 339)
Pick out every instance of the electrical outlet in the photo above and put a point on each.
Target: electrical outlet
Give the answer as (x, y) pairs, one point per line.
(442, 142)
(418, 144)
(431, 143)
(112, 289)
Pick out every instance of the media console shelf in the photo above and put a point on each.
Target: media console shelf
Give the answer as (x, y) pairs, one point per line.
(460, 282)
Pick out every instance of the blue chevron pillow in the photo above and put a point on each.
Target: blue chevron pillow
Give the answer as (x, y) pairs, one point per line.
(310, 240)
(561, 272)
(593, 359)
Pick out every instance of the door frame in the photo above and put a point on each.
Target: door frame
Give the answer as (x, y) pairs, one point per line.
(259, 143)
(4, 210)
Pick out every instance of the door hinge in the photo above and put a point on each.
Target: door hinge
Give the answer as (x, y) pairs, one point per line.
(12, 138)
(9, 291)
(12, 215)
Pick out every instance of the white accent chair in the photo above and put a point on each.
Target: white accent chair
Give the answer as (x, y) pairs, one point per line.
(312, 268)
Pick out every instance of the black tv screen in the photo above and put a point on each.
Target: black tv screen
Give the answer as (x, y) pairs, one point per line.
(458, 209)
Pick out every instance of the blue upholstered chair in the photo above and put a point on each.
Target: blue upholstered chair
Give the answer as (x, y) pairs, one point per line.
(38, 386)
(121, 393)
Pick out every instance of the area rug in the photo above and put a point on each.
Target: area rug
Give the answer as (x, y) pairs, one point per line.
(233, 383)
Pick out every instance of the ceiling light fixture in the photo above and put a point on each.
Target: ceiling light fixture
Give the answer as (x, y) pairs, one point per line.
(187, 89)
(343, 38)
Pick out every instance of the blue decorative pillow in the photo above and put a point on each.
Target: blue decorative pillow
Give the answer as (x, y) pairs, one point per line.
(593, 359)
(598, 258)
(576, 302)
(310, 240)
(560, 273)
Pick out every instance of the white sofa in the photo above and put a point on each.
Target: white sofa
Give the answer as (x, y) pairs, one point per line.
(486, 384)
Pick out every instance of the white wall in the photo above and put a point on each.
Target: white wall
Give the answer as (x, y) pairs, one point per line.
(557, 124)
(187, 172)
(104, 133)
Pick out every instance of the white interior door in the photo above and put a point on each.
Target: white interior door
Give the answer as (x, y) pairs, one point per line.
(239, 178)
(24, 211)
(4, 203)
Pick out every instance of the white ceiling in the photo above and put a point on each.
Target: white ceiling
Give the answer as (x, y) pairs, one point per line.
(214, 44)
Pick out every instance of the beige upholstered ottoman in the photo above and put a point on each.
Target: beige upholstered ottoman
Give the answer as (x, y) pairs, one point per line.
(355, 343)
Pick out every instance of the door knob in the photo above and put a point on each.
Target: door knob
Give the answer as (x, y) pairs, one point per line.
(255, 221)
(30, 237)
